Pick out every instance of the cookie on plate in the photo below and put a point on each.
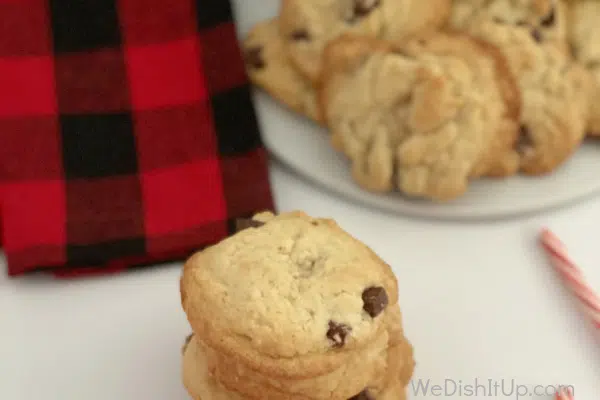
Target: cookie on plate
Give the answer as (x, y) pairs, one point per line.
(500, 159)
(424, 118)
(546, 20)
(269, 68)
(292, 307)
(555, 94)
(308, 25)
(584, 38)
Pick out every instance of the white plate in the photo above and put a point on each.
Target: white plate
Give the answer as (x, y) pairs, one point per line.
(304, 147)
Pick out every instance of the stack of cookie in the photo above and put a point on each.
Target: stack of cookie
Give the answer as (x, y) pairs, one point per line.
(293, 308)
(426, 98)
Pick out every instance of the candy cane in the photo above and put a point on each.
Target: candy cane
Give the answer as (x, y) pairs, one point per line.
(572, 276)
(564, 394)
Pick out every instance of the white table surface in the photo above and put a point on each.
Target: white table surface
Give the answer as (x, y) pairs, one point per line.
(479, 302)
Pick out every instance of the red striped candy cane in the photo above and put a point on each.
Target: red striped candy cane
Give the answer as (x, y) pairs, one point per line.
(572, 276)
(564, 394)
(574, 280)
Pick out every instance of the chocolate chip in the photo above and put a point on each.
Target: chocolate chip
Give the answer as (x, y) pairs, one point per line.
(549, 19)
(499, 20)
(254, 58)
(363, 8)
(364, 395)
(337, 333)
(375, 300)
(536, 35)
(522, 23)
(245, 223)
(524, 142)
(299, 35)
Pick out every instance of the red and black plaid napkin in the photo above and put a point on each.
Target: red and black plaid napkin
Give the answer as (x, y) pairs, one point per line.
(127, 132)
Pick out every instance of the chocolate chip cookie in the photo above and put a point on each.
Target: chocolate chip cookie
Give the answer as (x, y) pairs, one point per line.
(500, 158)
(584, 38)
(423, 118)
(555, 94)
(366, 367)
(207, 374)
(545, 20)
(294, 298)
(308, 25)
(270, 69)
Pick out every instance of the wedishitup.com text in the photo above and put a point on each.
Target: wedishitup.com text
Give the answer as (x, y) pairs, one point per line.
(482, 388)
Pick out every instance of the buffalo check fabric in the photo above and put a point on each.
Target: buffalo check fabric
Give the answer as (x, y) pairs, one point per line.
(127, 133)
